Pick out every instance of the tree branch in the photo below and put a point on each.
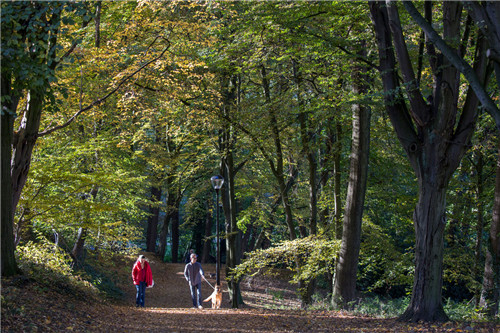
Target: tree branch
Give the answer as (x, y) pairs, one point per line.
(419, 108)
(458, 62)
(100, 100)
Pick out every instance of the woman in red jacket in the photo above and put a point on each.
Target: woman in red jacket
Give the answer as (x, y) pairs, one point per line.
(143, 277)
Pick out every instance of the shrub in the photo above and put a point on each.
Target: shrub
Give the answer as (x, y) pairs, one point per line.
(49, 266)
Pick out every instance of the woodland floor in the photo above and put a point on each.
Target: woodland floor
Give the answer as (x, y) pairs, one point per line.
(168, 309)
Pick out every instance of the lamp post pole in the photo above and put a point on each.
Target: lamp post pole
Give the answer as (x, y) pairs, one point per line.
(217, 182)
(217, 268)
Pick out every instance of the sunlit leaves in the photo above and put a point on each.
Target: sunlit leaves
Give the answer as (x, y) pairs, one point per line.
(316, 255)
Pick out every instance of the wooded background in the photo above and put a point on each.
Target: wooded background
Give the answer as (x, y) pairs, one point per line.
(357, 140)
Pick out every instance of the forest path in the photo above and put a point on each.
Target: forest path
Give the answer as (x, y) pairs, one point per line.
(169, 309)
(270, 306)
(171, 289)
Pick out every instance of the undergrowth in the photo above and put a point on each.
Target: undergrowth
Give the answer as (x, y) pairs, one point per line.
(53, 268)
(379, 307)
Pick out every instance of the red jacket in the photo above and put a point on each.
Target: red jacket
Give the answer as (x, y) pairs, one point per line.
(140, 274)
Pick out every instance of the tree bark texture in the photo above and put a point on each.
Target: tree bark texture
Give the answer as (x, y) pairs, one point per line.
(162, 248)
(337, 176)
(153, 219)
(9, 265)
(344, 285)
(233, 238)
(175, 233)
(434, 134)
(208, 233)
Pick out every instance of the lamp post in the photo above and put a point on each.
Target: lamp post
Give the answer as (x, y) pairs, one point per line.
(217, 182)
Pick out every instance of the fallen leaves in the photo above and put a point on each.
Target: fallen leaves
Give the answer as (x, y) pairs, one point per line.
(168, 309)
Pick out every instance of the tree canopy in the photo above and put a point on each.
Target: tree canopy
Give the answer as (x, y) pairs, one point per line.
(358, 140)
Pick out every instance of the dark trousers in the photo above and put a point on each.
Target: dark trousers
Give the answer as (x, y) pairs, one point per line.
(141, 293)
(196, 294)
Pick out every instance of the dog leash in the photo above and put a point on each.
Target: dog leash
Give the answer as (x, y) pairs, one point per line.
(208, 283)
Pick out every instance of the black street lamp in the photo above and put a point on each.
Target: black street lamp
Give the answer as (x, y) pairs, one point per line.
(217, 182)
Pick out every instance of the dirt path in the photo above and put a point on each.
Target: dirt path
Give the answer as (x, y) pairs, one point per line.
(29, 308)
(168, 309)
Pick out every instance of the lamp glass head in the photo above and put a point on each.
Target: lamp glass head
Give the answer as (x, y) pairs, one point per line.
(217, 182)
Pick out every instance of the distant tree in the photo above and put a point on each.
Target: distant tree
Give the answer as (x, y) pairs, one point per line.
(344, 288)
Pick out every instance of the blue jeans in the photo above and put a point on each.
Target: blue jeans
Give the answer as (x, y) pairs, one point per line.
(196, 294)
(141, 293)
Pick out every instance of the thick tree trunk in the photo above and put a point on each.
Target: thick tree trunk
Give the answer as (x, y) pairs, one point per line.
(9, 265)
(429, 218)
(344, 286)
(153, 219)
(169, 215)
(434, 134)
(232, 231)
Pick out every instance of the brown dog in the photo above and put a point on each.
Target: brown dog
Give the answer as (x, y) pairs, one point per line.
(216, 297)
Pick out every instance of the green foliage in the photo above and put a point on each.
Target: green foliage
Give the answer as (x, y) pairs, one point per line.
(464, 311)
(38, 259)
(57, 197)
(379, 307)
(163, 129)
(382, 266)
(316, 255)
(105, 270)
(49, 266)
(30, 45)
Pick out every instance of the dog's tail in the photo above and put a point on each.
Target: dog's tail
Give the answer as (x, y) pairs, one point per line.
(208, 299)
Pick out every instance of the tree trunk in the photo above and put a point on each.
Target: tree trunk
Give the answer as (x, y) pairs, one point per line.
(208, 233)
(24, 144)
(162, 249)
(429, 218)
(278, 169)
(434, 134)
(227, 142)
(479, 225)
(344, 286)
(175, 233)
(490, 295)
(9, 265)
(77, 252)
(337, 181)
(326, 169)
(307, 288)
(153, 219)
(232, 231)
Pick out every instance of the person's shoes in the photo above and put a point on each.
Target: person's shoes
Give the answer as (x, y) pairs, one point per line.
(200, 307)
(137, 305)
